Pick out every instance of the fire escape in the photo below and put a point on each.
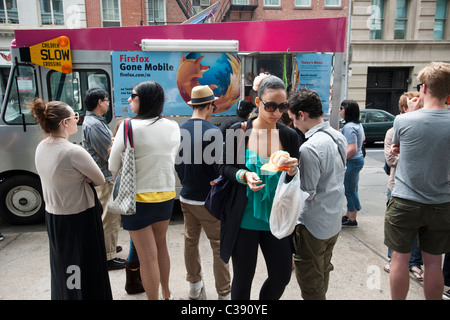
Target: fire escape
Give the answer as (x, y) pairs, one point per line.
(229, 10)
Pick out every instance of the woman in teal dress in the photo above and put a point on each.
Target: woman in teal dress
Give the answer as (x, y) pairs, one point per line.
(246, 223)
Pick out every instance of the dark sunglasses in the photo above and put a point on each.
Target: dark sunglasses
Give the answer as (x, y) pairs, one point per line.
(418, 86)
(214, 107)
(270, 106)
(134, 95)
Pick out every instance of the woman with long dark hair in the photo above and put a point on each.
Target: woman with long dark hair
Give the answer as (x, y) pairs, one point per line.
(354, 133)
(246, 225)
(156, 142)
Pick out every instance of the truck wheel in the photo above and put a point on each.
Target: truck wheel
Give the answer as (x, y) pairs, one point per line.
(21, 200)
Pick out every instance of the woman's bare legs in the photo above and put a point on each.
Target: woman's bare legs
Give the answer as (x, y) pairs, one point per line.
(151, 246)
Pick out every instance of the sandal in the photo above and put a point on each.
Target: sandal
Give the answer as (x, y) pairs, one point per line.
(417, 272)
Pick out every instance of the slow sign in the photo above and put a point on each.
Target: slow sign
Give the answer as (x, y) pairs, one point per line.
(53, 54)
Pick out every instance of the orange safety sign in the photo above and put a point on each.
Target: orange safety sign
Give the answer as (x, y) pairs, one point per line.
(53, 54)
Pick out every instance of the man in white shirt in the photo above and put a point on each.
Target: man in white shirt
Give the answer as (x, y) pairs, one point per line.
(322, 170)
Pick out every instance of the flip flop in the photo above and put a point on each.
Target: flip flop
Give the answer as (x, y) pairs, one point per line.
(417, 272)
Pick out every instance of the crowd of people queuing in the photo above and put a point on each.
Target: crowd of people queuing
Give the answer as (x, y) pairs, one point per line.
(77, 183)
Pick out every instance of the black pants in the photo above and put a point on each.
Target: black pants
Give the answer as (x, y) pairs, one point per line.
(278, 256)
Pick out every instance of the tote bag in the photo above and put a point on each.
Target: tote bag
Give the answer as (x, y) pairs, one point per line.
(124, 200)
(287, 206)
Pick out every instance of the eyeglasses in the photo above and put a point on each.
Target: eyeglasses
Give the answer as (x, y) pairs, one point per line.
(270, 106)
(214, 107)
(134, 95)
(76, 117)
(341, 108)
(419, 85)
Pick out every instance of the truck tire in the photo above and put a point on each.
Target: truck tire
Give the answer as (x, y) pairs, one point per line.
(21, 200)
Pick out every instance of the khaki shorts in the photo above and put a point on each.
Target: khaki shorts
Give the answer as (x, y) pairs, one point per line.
(405, 219)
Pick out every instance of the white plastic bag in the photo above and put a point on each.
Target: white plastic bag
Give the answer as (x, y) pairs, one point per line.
(287, 205)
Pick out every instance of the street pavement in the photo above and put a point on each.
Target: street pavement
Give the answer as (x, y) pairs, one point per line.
(358, 258)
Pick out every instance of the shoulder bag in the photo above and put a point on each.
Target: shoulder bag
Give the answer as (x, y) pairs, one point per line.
(220, 190)
(124, 200)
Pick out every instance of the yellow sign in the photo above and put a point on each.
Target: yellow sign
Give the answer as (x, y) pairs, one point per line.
(53, 54)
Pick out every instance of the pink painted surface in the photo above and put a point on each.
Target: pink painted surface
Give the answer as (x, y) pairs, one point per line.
(307, 35)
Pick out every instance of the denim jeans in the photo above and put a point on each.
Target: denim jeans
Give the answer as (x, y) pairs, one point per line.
(132, 254)
(351, 180)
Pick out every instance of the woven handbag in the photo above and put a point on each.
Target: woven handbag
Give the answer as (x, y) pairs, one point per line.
(124, 200)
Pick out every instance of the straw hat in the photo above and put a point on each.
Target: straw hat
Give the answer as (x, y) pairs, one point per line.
(200, 95)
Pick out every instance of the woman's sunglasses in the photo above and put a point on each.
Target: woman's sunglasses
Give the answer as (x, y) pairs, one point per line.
(270, 106)
(134, 95)
(76, 117)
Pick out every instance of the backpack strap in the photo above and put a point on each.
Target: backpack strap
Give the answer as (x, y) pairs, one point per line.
(335, 141)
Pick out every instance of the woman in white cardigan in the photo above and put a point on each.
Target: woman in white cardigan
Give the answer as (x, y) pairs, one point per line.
(156, 142)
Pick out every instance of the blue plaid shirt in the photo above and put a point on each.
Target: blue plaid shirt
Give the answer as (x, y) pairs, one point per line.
(97, 140)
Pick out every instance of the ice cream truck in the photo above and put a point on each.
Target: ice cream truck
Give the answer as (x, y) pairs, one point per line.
(62, 64)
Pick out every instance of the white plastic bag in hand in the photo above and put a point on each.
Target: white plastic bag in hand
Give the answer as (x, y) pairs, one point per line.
(287, 205)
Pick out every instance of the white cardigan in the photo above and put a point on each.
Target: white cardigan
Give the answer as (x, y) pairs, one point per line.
(63, 168)
(156, 146)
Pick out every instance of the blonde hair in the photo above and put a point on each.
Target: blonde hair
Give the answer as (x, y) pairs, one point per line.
(436, 77)
(403, 101)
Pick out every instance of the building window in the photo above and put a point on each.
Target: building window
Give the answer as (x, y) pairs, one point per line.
(333, 3)
(303, 3)
(272, 3)
(241, 2)
(52, 12)
(111, 13)
(439, 19)
(401, 16)
(377, 19)
(8, 12)
(156, 12)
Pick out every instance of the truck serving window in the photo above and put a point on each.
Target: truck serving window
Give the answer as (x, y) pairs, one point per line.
(23, 91)
(71, 88)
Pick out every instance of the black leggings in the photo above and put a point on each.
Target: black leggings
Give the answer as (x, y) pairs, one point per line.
(278, 257)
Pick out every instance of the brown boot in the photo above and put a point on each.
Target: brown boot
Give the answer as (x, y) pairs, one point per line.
(133, 283)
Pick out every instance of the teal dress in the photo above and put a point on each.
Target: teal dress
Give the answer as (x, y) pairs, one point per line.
(259, 204)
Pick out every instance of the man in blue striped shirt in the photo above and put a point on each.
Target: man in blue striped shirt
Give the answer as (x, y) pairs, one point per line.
(96, 140)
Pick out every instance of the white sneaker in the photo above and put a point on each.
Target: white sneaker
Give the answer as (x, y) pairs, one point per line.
(225, 297)
(197, 291)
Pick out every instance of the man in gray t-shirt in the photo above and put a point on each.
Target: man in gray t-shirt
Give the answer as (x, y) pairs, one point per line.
(423, 167)
(420, 200)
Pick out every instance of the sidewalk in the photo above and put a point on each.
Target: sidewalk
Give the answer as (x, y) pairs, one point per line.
(358, 259)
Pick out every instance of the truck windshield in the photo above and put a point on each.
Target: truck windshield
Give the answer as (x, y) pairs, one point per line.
(23, 91)
(71, 88)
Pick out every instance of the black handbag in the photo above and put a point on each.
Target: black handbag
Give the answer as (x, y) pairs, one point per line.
(220, 191)
(217, 197)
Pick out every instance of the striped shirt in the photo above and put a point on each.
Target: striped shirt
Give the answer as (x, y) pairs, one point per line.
(97, 140)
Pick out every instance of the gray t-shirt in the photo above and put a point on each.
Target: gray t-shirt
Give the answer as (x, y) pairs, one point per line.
(423, 169)
(354, 133)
